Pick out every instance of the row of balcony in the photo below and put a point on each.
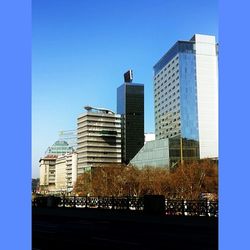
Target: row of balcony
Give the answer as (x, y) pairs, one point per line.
(90, 161)
(98, 140)
(88, 135)
(92, 120)
(98, 150)
(112, 127)
(103, 146)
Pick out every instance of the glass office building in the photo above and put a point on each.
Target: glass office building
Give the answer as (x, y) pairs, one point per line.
(186, 98)
(185, 102)
(153, 154)
(130, 105)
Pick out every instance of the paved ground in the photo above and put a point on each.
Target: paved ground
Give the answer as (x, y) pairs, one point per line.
(76, 228)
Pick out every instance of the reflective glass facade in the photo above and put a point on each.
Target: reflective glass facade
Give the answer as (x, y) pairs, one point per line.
(179, 47)
(130, 105)
(188, 97)
(186, 101)
(182, 149)
(153, 154)
(175, 89)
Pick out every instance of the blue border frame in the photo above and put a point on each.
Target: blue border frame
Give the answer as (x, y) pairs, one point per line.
(15, 103)
(234, 173)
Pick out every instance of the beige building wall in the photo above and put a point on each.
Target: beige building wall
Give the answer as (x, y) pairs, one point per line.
(71, 171)
(47, 173)
(98, 139)
(61, 182)
(66, 172)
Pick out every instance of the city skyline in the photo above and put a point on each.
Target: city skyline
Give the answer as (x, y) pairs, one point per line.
(81, 50)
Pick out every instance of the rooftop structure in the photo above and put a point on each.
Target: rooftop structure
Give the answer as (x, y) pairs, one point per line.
(70, 136)
(98, 110)
(59, 148)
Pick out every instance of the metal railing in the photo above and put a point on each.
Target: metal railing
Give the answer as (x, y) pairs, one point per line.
(173, 207)
(191, 207)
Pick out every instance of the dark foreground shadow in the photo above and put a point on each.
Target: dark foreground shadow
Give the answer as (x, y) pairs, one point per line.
(78, 228)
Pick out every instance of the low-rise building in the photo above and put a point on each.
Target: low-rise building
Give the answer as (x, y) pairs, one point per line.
(66, 172)
(166, 152)
(61, 181)
(58, 173)
(47, 173)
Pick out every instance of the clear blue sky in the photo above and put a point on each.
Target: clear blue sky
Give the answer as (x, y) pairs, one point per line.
(81, 48)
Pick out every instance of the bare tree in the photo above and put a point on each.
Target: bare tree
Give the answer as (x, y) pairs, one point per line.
(187, 181)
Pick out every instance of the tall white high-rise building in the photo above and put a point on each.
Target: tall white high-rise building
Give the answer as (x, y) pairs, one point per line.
(186, 97)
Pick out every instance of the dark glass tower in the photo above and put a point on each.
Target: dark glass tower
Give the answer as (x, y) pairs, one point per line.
(130, 105)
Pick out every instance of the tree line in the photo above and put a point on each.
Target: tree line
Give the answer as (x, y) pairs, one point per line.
(185, 181)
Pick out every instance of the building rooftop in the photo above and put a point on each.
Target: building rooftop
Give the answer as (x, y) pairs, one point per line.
(98, 110)
(58, 148)
(48, 157)
(60, 143)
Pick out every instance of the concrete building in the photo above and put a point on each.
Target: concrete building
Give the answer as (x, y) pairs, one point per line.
(60, 178)
(66, 172)
(48, 173)
(98, 138)
(71, 170)
(130, 105)
(186, 101)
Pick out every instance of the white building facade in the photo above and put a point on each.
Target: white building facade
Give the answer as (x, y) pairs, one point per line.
(71, 171)
(66, 172)
(48, 173)
(58, 173)
(60, 180)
